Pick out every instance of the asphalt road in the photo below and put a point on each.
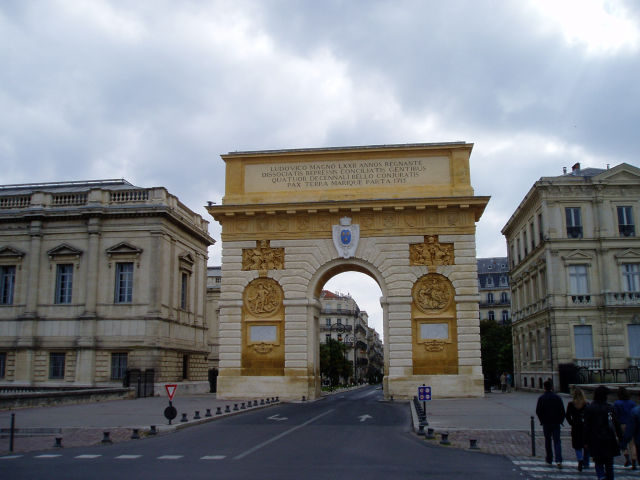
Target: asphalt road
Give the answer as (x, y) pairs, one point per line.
(351, 435)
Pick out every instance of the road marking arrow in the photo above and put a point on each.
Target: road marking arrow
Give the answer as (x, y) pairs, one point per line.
(364, 417)
(277, 418)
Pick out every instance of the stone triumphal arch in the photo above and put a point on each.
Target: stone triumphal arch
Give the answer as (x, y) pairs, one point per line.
(292, 219)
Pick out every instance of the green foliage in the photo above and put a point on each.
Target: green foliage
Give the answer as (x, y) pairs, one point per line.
(333, 362)
(496, 348)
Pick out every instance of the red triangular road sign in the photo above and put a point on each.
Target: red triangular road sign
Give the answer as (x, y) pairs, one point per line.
(171, 390)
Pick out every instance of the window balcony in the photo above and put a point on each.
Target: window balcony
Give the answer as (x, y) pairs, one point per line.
(580, 299)
(627, 230)
(590, 363)
(616, 299)
(574, 232)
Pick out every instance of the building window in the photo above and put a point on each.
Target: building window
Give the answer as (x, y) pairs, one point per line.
(7, 284)
(503, 280)
(574, 222)
(124, 282)
(3, 364)
(505, 316)
(519, 250)
(634, 344)
(504, 298)
(118, 366)
(524, 242)
(184, 290)
(540, 234)
(328, 322)
(489, 297)
(64, 283)
(533, 236)
(492, 315)
(489, 281)
(339, 321)
(56, 365)
(583, 338)
(631, 277)
(626, 226)
(578, 284)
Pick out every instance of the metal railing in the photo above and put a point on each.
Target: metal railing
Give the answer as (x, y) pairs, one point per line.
(593, 363)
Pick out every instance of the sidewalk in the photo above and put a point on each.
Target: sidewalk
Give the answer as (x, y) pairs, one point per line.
(85, 424)
(499, 422)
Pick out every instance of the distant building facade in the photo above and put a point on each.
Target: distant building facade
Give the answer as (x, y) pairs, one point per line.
(574, 254)
(493, 286)
(98, 278)
(341, 319)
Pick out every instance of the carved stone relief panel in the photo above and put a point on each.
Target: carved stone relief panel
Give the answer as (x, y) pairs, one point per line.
(431, 252)
(432, 292)
(263, 297)
(263, 257)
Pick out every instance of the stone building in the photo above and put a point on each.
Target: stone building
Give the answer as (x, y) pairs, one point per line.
(493, 286)
(97, 278)
(214, 282)
(574, 255)
(341, 319)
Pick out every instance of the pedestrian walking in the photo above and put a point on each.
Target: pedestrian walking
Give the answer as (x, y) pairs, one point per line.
(551, 413)
(623, 407)
(632, 433)
(602, 433)
(575, 418)
(503, 382)
(509, 382)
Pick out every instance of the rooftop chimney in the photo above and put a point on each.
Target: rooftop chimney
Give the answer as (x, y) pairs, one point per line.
(575, 168)
(564, 170)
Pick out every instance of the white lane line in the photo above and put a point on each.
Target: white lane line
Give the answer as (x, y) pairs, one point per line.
(170, 457)
(10, 457)
(127, 457)
(48, 456)
(87, 456)
(362, 395)
(278, 437)
(213, 457)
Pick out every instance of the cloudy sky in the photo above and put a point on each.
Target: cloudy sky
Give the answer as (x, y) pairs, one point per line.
(154, 91)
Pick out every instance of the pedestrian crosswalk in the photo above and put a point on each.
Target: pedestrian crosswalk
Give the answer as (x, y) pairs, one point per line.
(538, 468)
(87, 456)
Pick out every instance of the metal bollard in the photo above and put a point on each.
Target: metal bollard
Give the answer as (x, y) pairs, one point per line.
(197, 415)
(392, 398)
(135, 435)
(227, 409)
(152, 430)
(12, 431)
(208, 414)
(262, 401)
(58, 442)
(105, 438)
(421, 429)
(533, 438)
(255, 403)
(444, 439)
(218, 411)
(235, 407)
(304, 399)
(473, 444)
(184, 418)
(242, 407)
(430, 435)
(277, 399)
(268, 401)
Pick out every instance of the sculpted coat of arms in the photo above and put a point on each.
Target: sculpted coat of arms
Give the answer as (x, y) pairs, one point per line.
(346, 237)
(431, 252)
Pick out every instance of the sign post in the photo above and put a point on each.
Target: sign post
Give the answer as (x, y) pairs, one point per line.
(424, 395)
(170, 412)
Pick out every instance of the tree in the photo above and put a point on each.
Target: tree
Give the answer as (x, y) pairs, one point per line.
(333, 361)
(496, 349)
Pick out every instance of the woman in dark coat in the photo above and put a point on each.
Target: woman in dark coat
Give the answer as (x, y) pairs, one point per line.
(575, 417)
(602, 433)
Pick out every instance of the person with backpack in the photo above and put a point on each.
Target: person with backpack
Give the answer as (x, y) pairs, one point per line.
(602, 433)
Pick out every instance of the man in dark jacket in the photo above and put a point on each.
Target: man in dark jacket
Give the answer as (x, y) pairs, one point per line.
(550, 412)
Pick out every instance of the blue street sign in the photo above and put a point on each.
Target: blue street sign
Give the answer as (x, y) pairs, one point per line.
(424, 393)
